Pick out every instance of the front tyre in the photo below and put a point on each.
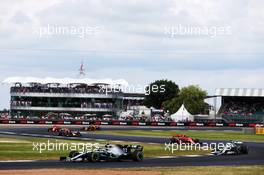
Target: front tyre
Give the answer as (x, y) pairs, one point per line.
(73, 154)
(244, 149)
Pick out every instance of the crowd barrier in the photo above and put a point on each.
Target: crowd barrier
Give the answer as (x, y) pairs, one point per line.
(128, 123)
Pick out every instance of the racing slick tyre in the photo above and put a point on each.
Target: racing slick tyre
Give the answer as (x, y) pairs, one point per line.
(73, 154)
(244, 149)
(78, 134)
(236, 151)
(138, 156)
(196, 141)
(174, 141)
(94, 157)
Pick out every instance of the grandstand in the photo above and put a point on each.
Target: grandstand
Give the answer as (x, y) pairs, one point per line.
(68, 98)
(241, 105)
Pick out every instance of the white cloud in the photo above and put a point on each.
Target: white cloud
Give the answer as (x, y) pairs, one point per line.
(132, 37)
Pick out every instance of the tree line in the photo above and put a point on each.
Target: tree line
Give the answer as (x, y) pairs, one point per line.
(173, 97)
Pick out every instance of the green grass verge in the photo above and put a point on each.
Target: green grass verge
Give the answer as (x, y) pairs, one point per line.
(206, 135)
(22, 149)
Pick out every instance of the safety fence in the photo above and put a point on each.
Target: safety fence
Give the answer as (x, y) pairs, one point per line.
(128, 123)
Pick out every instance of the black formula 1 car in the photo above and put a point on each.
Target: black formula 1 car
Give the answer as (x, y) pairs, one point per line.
(232, 148)
(69, 133)
(108, 152)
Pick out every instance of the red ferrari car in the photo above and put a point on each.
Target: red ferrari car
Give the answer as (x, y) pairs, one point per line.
(181, 138)
(54, 129)
(91, 128)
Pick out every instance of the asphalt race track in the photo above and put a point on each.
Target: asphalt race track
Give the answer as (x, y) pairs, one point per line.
(255, 156)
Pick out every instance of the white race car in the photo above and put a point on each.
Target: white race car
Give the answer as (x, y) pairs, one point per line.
(108, 152)
(232, 148)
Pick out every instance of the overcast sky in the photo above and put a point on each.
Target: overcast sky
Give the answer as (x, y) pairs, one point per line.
(133, 41)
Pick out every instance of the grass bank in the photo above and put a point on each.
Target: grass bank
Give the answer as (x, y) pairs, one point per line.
(206, 135)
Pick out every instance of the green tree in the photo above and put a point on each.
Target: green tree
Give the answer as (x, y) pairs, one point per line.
(193, 99)
(160, 91)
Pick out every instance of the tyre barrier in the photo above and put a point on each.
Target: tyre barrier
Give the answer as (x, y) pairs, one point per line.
(128, 123)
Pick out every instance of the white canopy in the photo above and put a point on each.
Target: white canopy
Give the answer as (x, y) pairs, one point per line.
(182, 115)
(46, 80)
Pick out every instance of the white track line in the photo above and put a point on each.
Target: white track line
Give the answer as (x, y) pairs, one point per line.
(12, 141)
(193, 156)
(3, 161)
(7, 133)
(153, 143)
(166, 157)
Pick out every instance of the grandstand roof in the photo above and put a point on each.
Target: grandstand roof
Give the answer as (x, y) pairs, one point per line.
(50, 80)
(239, 92)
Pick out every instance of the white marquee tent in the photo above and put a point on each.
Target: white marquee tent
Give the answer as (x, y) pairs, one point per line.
(182, 115)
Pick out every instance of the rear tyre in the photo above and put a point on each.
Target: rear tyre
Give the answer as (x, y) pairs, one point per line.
(60, 133)
(79, 134)
(172, 141)
(94, 157)
(196, 141)
(138, 156)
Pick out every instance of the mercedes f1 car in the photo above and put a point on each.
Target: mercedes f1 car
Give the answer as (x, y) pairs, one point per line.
(108, 152)
(91, 128)
(232, 148)
(181, 138)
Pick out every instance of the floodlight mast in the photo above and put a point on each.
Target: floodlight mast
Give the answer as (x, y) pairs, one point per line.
(81, 70)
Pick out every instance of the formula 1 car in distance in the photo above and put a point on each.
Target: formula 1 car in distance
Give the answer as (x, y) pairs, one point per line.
(69, 133)
(232, 148)
(91, 128)
(181, 138)
(56, 130)
(108, 152)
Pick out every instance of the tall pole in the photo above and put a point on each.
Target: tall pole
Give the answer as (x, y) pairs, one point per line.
(215, 101)
(81, 70)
